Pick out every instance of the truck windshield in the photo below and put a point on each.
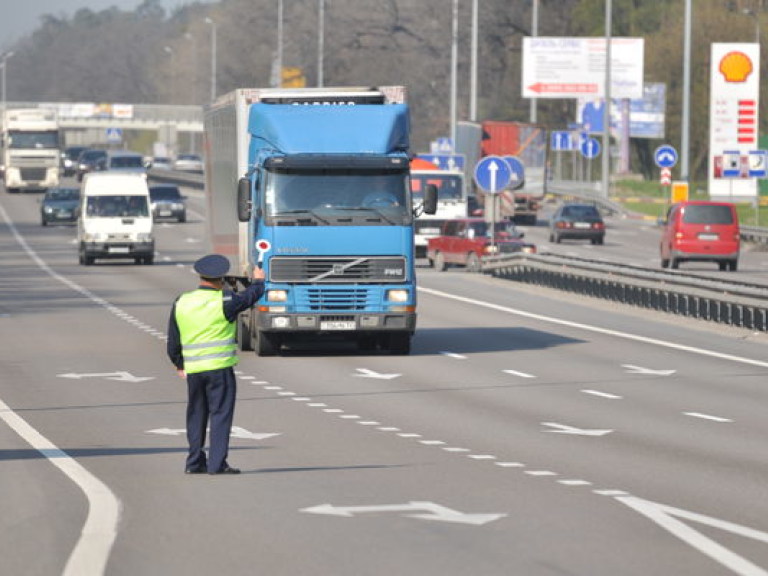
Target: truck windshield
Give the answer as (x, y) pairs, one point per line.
(117, 206)
(30, 140)
(323, 197)
(449, 188)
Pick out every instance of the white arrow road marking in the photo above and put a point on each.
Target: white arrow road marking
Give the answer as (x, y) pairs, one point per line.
(563, 429)
(366, 373)
(119, 376)
(669, 518)
(236, 432)
(433, 512)
(640, 370)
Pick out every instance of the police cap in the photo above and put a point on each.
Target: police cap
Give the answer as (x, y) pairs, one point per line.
(212, 266)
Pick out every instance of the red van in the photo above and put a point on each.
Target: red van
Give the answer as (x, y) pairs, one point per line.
(701, 231)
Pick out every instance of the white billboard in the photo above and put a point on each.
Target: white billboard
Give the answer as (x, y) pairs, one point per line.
(733, 119)
(575, 67)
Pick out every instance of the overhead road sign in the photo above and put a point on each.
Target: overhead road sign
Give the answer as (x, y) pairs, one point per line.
(575, 67)
(492, 174)
(665, 156)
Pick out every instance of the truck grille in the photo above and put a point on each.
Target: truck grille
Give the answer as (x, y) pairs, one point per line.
(342, 269)
(33, 173)
(335, 299)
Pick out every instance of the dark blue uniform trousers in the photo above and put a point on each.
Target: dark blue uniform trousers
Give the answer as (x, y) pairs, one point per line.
(211, 396)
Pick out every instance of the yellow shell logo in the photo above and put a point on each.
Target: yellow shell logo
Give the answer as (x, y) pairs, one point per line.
(735, 67)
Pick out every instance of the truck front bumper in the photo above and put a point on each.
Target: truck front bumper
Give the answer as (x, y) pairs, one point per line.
(119, 249)
(358, 323)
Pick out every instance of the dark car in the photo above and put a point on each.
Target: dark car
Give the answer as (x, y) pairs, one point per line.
(577, 222)
(59, 205)
(167, 202)
(88, 161)
(69, 159)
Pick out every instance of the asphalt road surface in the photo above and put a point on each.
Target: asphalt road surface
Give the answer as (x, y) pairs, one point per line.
(530, 432)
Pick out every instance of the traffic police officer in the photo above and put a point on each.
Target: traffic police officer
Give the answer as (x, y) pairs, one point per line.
(202, 345)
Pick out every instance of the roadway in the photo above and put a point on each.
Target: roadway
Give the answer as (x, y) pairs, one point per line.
(529, 432)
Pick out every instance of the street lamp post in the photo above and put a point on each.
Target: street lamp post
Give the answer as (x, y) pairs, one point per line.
(4, 64)
(320, 41)
(756, 16)
(213, 57)
(168, 50)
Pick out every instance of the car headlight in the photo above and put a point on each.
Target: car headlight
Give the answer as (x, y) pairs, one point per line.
(277, 296)
(47, 209)
(397, 295)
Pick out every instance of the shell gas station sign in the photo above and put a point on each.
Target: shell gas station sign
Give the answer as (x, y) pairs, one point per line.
(734, 105)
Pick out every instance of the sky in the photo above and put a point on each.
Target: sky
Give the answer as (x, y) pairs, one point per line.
(20, 17)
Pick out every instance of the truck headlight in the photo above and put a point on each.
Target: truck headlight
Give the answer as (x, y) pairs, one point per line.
(277, 296)
(94, 236)
(144, 237)
(397, 295)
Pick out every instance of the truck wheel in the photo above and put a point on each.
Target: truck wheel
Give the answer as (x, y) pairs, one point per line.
(399, 343)
(439, 262)
(266, 344)
(674, 263)
(473, 263)
(244, 338)
(722, 265)
(149, 260)
(733, 265)
(665, 263)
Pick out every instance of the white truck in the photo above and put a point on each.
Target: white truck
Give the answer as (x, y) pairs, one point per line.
(451, 201)
(31, 149)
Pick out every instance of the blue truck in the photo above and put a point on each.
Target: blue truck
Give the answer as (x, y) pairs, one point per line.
(313, 185)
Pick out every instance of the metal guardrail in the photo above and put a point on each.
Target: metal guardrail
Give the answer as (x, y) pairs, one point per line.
(733, 303)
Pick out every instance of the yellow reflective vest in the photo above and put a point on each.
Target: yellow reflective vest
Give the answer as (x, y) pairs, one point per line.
(208, 339)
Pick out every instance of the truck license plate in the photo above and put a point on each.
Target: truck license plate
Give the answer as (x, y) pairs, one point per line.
(337, 325)
(119, 250)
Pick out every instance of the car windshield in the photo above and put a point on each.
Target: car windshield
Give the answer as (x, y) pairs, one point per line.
(91, 155)
(483, 229)
(165, 193)
(328, 196)
(581, 213)
(706, 214)
(117, 206)
(448, 186)
(63, 194)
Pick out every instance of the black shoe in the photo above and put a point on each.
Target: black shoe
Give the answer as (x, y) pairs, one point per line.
(227, 470)
(195, 470)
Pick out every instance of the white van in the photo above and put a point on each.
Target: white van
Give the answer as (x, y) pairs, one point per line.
(114, 218)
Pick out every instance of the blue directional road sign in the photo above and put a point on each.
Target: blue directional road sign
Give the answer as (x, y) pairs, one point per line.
(492, 174)
(114, 135)
(445, 161)
(517, 179)
(665, 156)
(590, 148)
(561, 140)
(758, 163)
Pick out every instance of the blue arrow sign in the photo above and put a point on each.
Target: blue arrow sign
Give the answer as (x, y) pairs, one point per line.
(590, 148)
(492, 174)
(665, 156)
(561, 141)
(445, 161)
(517, 177)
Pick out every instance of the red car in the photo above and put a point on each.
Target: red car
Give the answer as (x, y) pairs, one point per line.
(464, 242)
(701, 231)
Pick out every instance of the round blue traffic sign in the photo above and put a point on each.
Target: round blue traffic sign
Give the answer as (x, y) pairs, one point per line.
(590, 148)
(492, 174)
(665, 156)
(517, 179)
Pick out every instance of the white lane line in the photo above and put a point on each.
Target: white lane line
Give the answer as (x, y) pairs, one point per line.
(432, 442)
(540, 473)
(456, 449)
(510, 464)
(98, 534)
(575, 482)
(409, 435)
(598, 330)
(707, 417)
(520, 374)
(603, 394)
(454, 355)
(389, 429)
(482, 457)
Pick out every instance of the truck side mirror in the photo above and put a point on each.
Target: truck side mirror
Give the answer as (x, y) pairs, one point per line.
(430, 199)
(244, 200)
